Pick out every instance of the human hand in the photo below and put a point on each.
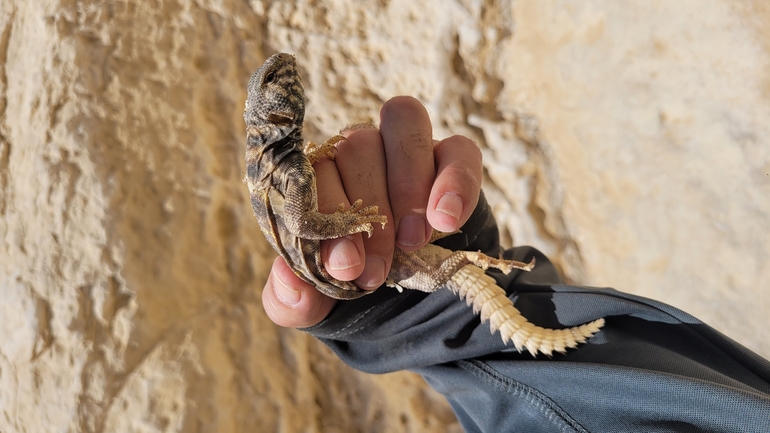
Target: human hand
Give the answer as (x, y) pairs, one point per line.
(417, 182)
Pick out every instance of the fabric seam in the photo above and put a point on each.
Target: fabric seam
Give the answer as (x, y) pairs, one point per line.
(552, 411)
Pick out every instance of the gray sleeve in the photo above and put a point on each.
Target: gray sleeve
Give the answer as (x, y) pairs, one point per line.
(652, 368)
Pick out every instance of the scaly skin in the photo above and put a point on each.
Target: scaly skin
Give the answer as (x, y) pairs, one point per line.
(282, 182)
(488, 299)
(282, 186)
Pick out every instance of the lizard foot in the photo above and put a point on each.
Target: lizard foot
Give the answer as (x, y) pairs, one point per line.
(360, 219)
(314, 152)
(485, 262)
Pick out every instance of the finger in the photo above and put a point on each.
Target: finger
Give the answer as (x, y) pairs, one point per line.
(456, 189)
(343, 257)
(361, 164)
(407, 134)
(291, 302)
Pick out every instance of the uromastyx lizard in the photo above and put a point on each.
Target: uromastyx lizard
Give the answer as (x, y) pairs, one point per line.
(283, 193)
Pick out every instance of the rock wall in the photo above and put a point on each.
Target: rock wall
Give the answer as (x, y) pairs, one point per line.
(628, 141)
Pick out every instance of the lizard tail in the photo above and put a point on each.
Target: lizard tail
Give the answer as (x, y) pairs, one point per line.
(491, 301)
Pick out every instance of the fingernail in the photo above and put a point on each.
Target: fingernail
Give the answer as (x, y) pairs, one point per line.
(373, 275)
(286, 294)
(343, 255)
(411, 230)
(450, 204)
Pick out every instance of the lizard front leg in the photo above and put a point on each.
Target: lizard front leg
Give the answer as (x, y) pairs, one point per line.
(314, 225)
(299, 208)
(314, 152)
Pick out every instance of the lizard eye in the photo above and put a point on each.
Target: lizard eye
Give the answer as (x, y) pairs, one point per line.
(270, 77)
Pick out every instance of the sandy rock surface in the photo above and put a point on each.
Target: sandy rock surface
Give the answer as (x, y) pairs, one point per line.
(628, 141)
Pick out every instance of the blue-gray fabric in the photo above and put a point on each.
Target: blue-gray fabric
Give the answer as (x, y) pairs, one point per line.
(652, 368)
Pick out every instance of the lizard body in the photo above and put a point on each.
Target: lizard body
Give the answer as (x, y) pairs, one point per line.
(282, 187)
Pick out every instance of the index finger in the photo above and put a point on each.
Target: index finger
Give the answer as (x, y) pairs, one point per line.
(408, 138)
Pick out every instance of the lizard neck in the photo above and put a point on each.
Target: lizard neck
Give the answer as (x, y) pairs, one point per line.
(263, 159)
(259, 136)
(281, 149)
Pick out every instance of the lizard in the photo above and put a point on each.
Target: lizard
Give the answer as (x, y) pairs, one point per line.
(283, 193)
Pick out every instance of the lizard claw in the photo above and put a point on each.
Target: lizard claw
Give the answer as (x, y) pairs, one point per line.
(485, 262)
(360, 218)
(506, 266)
(354, 207)
(314, 152)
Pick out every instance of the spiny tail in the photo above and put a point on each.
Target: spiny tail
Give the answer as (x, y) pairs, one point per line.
(481, 290)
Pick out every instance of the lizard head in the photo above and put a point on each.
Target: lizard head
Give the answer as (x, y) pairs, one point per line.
(275, 95)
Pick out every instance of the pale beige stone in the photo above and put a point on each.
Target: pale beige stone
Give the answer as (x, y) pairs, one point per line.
(627, 140)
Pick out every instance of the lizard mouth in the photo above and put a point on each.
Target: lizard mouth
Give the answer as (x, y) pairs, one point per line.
(280, 118)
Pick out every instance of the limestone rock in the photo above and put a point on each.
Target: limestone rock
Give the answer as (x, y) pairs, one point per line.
(628, 141)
